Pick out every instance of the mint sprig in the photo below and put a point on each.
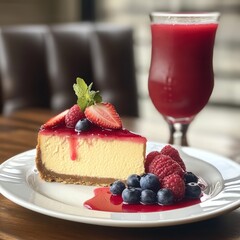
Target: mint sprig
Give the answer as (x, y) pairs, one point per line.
(86, 96)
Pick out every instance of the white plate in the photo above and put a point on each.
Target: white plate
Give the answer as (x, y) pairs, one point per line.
(21, 184)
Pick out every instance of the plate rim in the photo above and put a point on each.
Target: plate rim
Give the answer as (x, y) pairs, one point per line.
(109, 221)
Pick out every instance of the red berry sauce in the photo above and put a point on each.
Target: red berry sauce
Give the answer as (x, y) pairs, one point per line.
(105, 201)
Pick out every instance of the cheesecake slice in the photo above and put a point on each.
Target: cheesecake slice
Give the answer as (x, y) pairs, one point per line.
(87, 143)
(96, 157)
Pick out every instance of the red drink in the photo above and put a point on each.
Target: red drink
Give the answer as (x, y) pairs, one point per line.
(181, 74)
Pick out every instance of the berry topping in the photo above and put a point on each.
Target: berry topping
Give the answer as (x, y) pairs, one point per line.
(56, 120)
(133, 181)
(174, 154)
(149, 159)
(190, 177)
(89, 105)
(163, 165)
(165, 196)
(73, 116)
(176, 184)
(82, 125)
(131, 195)
(150, 181)
(103, 115)
(117, 187)
(148, 197)
(193, 190)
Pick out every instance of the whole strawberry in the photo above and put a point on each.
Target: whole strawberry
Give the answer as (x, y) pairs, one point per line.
(174, 154)
(73, 116)
(163, 165)
(176, 184)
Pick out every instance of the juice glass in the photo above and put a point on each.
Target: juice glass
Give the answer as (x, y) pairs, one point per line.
(181, 75)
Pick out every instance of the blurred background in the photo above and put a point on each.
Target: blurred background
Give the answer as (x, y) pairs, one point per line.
(134, 13)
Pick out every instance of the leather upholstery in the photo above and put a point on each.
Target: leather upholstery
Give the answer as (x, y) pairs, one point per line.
(68, 56)
(113, 66)
(23, 67)
(40, 63)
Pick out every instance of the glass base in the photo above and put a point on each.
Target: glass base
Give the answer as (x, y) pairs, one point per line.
(185, 120)
(178, 134)
(178, 130)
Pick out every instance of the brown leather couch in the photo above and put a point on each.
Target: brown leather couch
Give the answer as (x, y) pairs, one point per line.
(40, 63)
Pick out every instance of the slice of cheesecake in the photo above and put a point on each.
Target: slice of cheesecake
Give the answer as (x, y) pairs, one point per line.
(95, 157)
(87, 144)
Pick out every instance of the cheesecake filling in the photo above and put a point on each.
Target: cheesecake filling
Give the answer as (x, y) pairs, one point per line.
(89, 159)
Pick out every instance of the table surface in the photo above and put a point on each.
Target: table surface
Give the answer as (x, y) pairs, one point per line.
(216, 130)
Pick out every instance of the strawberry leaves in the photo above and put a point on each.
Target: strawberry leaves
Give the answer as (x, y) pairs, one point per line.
(86, 96)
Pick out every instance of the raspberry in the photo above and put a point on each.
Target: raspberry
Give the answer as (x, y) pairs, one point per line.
(163, 165)
(73, 116)
(149, 159)
(174, 154)
(176, 184)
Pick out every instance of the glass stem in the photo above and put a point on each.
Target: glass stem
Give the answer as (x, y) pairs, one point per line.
(178, 134)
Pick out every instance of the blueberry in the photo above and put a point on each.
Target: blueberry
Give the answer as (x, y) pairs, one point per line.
(193, 190)
(131, 195)
(150, 181)
(190, 177)
(139, 189)
(133, 181)
(117, 187)
(165, 196)
(148, 197)
(82, 125)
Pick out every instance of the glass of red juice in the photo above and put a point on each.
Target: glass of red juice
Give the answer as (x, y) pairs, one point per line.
(181, 74)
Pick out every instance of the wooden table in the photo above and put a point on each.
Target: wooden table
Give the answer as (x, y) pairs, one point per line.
(18, 133)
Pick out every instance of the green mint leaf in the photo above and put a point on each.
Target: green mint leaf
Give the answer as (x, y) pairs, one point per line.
(86, 96)
(80, 87)
(98, 97)
(82, 103)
